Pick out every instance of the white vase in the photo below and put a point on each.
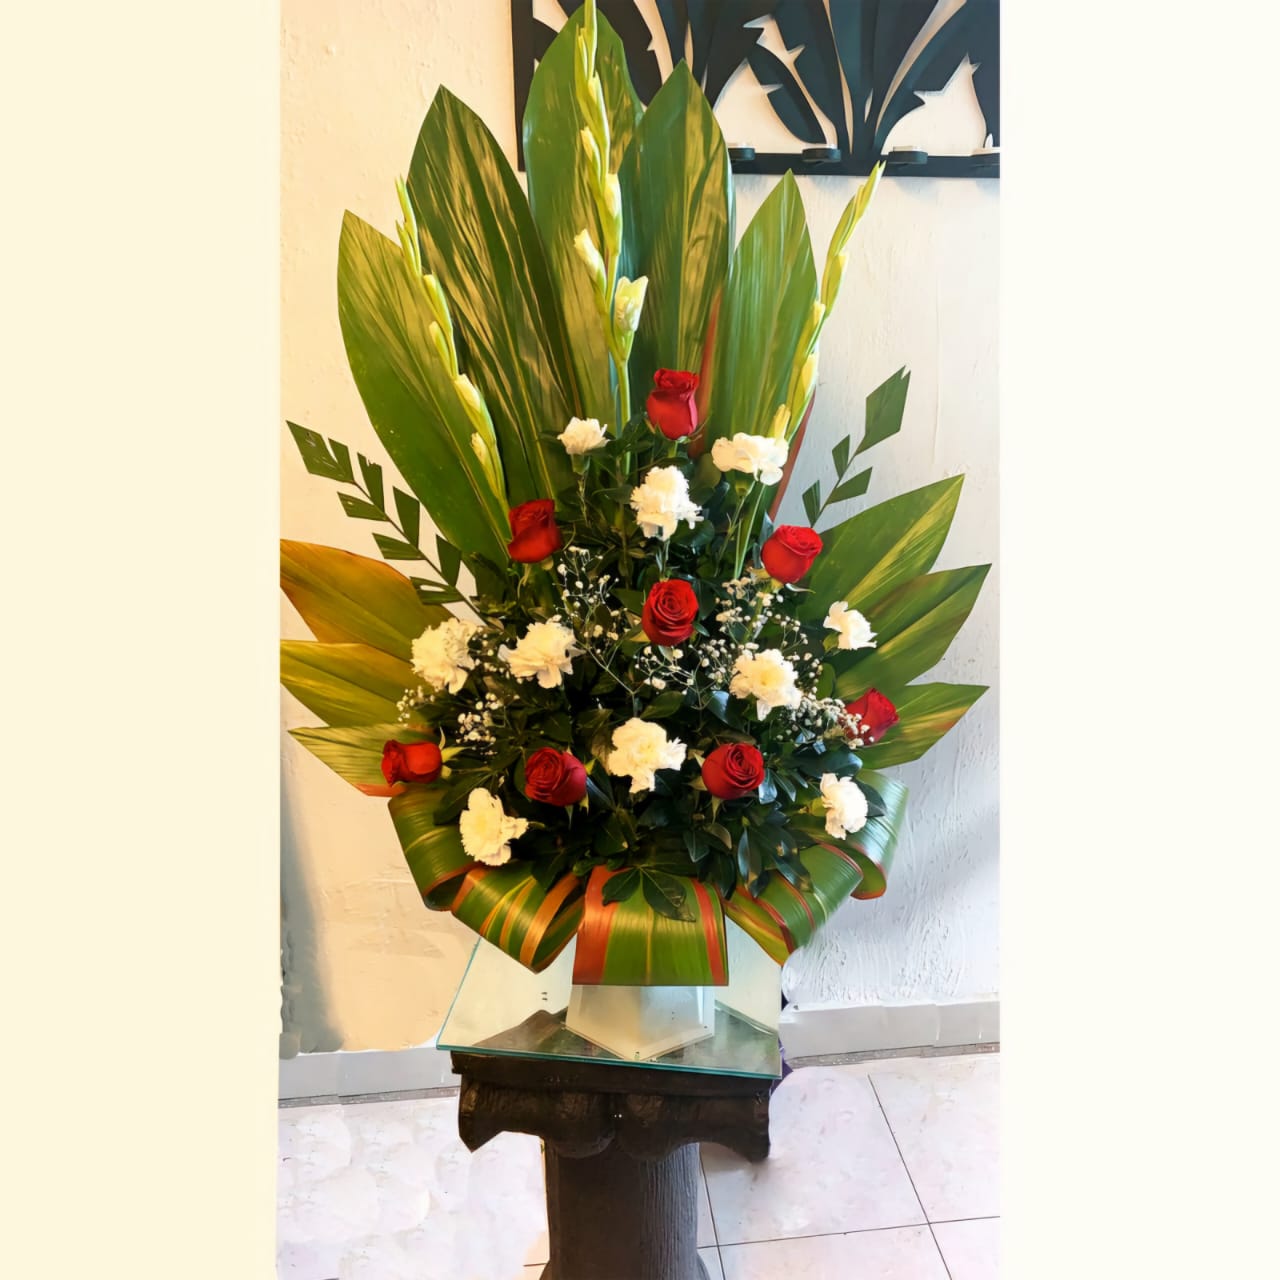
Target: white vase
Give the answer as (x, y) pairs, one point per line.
(639, 1023)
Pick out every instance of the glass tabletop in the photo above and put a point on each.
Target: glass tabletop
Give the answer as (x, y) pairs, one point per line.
(503, 1008)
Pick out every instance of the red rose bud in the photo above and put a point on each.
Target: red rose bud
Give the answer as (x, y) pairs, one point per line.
(733, 770)
(877, 712)
(534, 533)
(670, 404)
(411, 762)
(554, 777)
(669, 611)
(790, 552)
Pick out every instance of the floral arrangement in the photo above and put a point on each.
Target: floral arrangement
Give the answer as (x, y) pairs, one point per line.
(619, 702)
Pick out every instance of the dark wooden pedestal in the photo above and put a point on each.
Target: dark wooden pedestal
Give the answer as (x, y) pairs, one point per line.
(621, 1153)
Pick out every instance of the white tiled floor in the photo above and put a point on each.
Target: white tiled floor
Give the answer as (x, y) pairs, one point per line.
(884, 1170)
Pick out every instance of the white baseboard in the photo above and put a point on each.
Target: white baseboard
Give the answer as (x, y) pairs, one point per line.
(807, 1031)
(347, 1074)
(813, 1030)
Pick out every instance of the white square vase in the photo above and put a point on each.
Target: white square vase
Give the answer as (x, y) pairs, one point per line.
(639, 1023)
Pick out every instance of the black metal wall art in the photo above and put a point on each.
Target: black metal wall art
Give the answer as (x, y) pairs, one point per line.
(867, 48)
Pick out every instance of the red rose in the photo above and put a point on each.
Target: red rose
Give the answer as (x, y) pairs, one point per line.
(554, 777)
(790, 552)
(877, 712)
(670, 404)
(534, 534)
(410, 762)
(733, 770)
(669, 611)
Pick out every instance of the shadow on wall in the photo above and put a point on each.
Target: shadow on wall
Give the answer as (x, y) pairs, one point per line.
(304, 1011)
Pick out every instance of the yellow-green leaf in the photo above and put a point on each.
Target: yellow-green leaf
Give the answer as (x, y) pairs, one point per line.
(344, 684)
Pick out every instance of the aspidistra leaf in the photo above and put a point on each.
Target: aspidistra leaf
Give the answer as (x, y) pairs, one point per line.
(479, 239)
(925, 713)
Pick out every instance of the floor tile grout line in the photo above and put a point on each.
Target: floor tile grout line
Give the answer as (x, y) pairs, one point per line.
(941, 1256)
(818, 1235)
(711, 1209)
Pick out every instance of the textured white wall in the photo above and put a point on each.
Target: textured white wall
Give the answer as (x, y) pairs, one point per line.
(366, 965)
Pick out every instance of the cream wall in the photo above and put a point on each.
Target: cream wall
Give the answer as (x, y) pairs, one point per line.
(367, 966)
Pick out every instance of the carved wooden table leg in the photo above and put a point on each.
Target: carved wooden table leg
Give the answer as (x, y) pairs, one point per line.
(621, 1153)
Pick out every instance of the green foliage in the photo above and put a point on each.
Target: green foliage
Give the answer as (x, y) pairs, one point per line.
(914, 626)
(560, 203)
(409, 392)
(869, 554)
(344, 684)
(926, 712)
(767, 302)
(479, 239)
(678, 196)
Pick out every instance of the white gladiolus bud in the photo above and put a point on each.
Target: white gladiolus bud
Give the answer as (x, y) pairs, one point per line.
(628, 302)
(832, 277)
(470, 396)
(441, 345)
(479, 449)
(781, 421)
(808, 379)
(592, 150)
(613, 195)
(587, 251)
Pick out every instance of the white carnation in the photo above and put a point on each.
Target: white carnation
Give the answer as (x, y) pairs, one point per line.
(846, 805)
(545, 652)
(440, 655)
(767, 677)
(487, 829)
(662, 501)
(759, 456)
(854, 630)
(581, 436)
(640, 748)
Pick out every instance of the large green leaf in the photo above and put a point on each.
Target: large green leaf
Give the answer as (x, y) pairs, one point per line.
(629, 943)
(409, 393)
(435, 856)
(771, 290)
(480, 241)
(506, 906)
(914, 624)
(354, 752)
(871, 848)
(866, 556)
(925, 713)
(678, 196)
(349, 599)
(561, 204)
(344, 684)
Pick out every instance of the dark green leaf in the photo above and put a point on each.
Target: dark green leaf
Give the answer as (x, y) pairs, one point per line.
(884, 409)
(317, 458)
(372, 474)
(450, 560)
(852, 488)
(394, 549)
(812, 498)
(407, 509)
(840, 456)
(664, 705)
(359, 509)
(665, 894)
(621, 886)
